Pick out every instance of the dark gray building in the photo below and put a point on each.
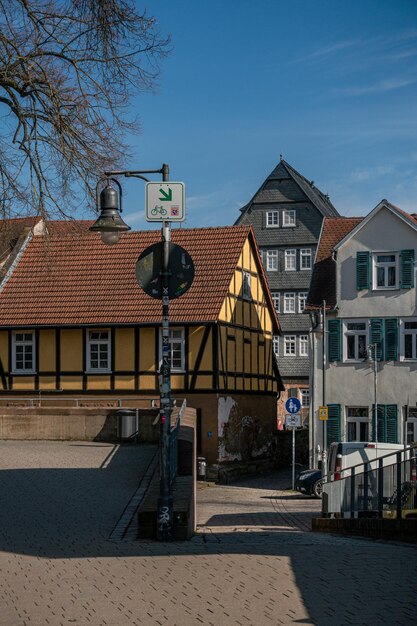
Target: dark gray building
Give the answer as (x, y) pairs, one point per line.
(286, 214)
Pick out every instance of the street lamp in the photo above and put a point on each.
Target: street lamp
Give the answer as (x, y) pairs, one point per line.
(110, 225)
(372, 357)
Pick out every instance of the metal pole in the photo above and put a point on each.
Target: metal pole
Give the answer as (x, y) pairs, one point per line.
(375, 394)
(324, 453)
(293, 458)
(165, 502)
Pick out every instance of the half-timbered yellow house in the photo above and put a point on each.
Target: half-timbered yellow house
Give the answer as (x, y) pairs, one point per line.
(74, 323)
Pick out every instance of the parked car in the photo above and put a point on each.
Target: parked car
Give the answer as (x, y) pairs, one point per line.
(310, 483)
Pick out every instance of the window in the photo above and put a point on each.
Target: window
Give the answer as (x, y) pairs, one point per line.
(289, 302)
(409, 339)
(288, 218)
(356, 341)
(411, 425)
(289, 345)
(176, 349)
(357, 424)
(305, 258)
(23, 356)
(275, 300)
(303, 345)
(272, 219)
(246, 292)
(275, 345)
(291, 259)
(302, 298)
(305, 397)
(272, 260)
(385, 270)
(98, 351)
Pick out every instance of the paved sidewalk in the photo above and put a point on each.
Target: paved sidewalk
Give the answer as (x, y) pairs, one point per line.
(253, 563)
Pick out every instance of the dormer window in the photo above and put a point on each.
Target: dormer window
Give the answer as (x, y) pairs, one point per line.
(288, 218)
(272, 219)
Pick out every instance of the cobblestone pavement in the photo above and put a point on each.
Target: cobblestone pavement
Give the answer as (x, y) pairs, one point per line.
(252, 562)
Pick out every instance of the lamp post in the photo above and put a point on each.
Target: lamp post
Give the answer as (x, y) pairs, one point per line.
(110, 225)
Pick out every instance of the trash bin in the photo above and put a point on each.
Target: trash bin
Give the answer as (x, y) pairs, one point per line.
(127, 423)
(201, 468)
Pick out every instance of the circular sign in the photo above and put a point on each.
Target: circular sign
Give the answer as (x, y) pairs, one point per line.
(149, 268)
(293, 405)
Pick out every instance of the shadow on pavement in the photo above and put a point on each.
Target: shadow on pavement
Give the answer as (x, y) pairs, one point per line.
(70, 514)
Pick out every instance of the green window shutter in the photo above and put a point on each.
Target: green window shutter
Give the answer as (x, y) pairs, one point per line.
(391, 339)
(377, 337)
(382, 433)
(407, 269)
(334, 426)
(363, 270)
(334, 349)
(391, 423)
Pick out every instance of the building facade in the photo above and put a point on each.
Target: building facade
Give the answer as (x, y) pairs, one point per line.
(286, 214)
(367, 375)
(74, 323)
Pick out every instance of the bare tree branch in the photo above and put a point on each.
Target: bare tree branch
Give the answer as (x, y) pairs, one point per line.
(68, 72)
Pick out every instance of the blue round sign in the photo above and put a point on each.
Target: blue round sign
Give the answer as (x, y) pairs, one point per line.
(293, 405)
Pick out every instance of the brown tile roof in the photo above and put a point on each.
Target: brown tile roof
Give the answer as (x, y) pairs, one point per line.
(323, 280)
(79, 280)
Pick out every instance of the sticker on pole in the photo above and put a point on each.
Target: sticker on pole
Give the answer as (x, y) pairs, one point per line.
(165, 202)
(323, 413)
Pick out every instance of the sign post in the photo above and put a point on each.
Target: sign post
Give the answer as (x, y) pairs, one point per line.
(293, 421)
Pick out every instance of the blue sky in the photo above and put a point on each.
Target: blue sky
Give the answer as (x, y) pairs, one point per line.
(330, 84)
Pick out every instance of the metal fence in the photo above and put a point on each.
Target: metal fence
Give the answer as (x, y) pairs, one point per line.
(384, 487)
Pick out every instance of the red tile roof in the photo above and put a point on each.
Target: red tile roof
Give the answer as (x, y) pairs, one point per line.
(63, 280)
(323, 280)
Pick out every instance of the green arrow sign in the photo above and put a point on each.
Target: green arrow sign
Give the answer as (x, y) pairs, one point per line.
(167, 197)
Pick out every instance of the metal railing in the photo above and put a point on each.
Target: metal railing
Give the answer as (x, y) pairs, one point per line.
(383, 487)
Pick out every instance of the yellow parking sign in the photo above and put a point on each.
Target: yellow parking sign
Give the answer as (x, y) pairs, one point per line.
(323, 413)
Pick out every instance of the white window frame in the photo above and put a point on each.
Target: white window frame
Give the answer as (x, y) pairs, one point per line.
(246, 286)
(289, 342)
(272, 260)
(302, 299)
(288, 218)
(275, 345)
(306, 253)
(100, 342)
(305, 393)
(172, 339)
(386, 265)
(24, 343)
(289, 302)
(353, 419)
(272, 219)
(303, 345)
(290, 254)
(403, 333)
(356, 333)
(276, 299)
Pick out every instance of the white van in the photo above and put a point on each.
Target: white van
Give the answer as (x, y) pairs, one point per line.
(343, 456)
(337, 489)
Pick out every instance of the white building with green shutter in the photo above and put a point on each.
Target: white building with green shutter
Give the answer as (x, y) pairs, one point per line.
(365, 272)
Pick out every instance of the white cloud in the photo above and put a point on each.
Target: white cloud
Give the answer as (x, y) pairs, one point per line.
(382, 86)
